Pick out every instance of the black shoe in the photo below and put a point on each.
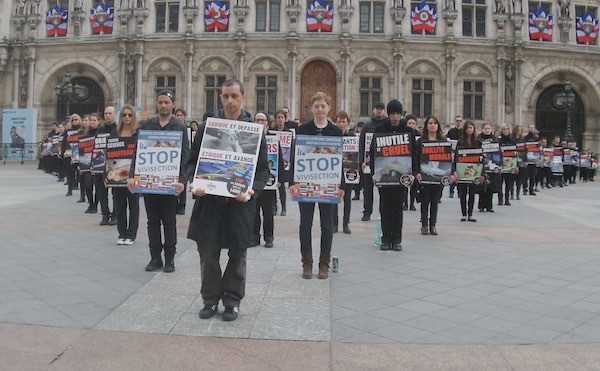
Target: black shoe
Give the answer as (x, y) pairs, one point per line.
(433, 231)
(346, 230)
(269, 242)
(282, 212)
(335, 229)
(181, 211)
(255, 241)
(512, 196)
(230, 313)
(405, 207)
(69, 193)
(104, 221)
(112, 220)
(91, 210)
(60, 179)
(169, 266)
(451, 195)
(356, 198)
(507, 203)
(532, 193)
(208, 310)
(518, 197)
(155, 264)
(384, 246)
(366, 218)
(490, 210)
(81, 200)
(481, 209)
(500, 203)
(424, 231)
(413, 208)
(396, 246)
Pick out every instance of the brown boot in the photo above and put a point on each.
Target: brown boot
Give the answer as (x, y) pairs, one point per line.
(307, 263)
(323, 267)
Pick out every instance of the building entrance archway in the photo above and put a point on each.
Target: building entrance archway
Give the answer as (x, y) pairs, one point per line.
(551, 118)
(89, 100)
(317, 76)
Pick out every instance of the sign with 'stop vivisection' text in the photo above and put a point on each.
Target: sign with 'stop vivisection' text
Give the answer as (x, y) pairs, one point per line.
(157, 161)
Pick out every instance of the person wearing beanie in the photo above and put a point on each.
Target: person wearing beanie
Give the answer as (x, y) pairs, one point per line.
(391, 198)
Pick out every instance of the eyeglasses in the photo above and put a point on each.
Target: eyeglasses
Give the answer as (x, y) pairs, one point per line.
(127, 114)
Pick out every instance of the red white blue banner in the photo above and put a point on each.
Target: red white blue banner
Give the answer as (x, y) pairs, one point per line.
(586, 28)
(56, 21)
(424, 17)
(540, 25)
(216, 16)
(101, 18)
(319, 16)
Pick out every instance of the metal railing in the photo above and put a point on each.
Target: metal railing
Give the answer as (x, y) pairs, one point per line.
(19, 152)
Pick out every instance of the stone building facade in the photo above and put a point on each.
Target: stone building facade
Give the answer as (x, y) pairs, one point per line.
(479, 62)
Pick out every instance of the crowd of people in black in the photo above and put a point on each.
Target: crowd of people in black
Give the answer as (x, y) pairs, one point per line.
(253, 211)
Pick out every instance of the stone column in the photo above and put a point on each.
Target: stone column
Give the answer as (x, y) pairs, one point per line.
(519, 59)
(292, 66)
(501, 64)
(189, 56)
(30, 77)
(16, 81)
(345, 54)
(122, 53)
(450, 57)
(139, 62)
(398, 56)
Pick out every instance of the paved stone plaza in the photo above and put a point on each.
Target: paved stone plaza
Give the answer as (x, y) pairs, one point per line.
(518, 290)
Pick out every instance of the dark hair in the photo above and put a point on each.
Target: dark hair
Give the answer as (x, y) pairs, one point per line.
(342, 115)
(360, 124)
(410, 116)
(166, 92)
(280, 112)
(181, 110)
(466, 139)
(439, 134)
(207, 115)
(515, 129)
(233, 82)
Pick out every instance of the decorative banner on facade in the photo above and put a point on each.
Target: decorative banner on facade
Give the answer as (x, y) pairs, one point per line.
(273, 160)
(317, 168)
(540, 25)
(119, 155)
(216, 16)
(19, 127)
(350, 163)
(509, 159)
(228, 157)
(56, 21)
(469, 167)
(319, 16)
(101, 18)
(424, 17)
(436, 162)
(157, 161)
(393, 159)
(586, 28)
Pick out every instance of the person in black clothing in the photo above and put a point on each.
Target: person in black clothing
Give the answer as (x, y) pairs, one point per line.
(531, 169)
(87, 182)
(162, 209)
(75, 125)
(517, 136)
(220, 223)
(109, 129)
(358, 187)
(342, 121)
(454, 134)
(180, 115)
(466, 192)
(289, 124)
(320, 125)
(391, 198)
(280, 125)
(267, 197)
(494, 184)
(430, 193)
(409, 202)
(368, 130)
(508, 179)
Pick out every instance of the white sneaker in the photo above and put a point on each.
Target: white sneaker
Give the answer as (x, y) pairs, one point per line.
(121, 241)
(128, 241)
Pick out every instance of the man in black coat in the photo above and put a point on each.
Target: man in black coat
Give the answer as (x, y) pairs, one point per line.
(225, 223)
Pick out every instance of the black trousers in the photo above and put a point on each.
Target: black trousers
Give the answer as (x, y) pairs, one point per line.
(347, 206)
(390, 209)
(70, 173)
(530, 176)
(307, 211)
(466, 193)
(368, 195)
(282, 196)
(87, 184)
(508, 181)
(229, 286)
(485, 198)
(181, 200)
(430, 195)
(161, 209)
(122, 200)
(265, 202)
(102, 194)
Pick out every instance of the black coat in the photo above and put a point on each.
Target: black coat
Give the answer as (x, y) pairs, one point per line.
(222, 221)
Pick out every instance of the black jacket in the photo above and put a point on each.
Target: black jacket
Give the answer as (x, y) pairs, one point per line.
(369, 127)
(221, 221)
